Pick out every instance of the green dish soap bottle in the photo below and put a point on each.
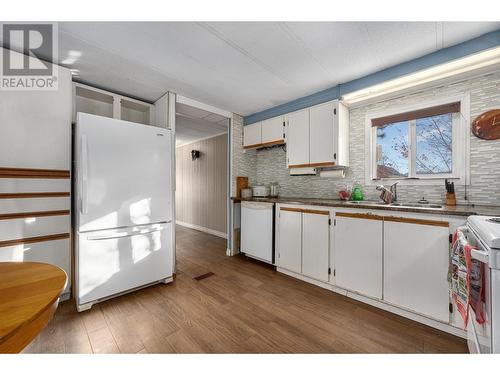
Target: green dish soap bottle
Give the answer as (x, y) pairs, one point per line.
(357, 192)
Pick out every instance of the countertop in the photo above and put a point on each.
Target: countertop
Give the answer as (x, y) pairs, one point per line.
(458, 210)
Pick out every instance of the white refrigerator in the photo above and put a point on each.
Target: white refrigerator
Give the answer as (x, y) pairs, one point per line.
(123, 207)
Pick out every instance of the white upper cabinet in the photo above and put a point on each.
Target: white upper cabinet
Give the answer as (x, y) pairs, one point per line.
(252, 135)
(321, 134)
(318, 136)
(315, 244)
(358, 253)
(273, 131)
(297, 139)
(416, 257)
(88, 99)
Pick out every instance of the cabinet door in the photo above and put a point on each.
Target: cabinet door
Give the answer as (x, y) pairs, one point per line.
(272, 130)
(315, 240)
(416, 267)
(358, 254)
(297, 141)
(252, 135)
(322, 136)
(290, 232)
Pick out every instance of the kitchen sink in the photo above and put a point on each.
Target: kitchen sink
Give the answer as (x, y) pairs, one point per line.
(396, 204)
(418, 205)
(372, 203)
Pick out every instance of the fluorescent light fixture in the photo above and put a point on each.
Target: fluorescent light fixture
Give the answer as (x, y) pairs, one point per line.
(464, 65)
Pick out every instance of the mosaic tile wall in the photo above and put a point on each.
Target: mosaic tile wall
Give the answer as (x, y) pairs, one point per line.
(243, 163)
(484, 188)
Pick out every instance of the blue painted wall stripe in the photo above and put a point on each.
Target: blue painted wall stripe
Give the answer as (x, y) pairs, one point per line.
(444, 55)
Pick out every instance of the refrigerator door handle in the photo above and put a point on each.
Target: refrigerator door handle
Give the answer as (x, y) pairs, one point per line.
(122, 235)
(84, 178)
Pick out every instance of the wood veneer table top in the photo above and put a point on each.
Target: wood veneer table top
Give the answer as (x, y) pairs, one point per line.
(29, 293)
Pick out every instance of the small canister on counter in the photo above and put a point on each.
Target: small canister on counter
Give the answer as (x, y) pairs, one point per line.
(246, 193)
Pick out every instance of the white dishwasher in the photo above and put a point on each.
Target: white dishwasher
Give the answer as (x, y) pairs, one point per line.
(257, 230)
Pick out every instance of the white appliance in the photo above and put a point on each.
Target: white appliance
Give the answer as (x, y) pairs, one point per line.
(257, 230)
(260, 191)
(123, 207)
(483, 232)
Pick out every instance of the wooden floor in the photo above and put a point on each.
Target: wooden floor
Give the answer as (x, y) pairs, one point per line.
(246, 307)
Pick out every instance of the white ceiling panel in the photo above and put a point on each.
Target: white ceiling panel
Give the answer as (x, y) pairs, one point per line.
(246, 67)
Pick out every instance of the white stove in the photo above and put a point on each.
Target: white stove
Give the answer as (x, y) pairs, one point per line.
(483, 232)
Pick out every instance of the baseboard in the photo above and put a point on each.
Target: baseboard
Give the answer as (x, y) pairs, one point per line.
(380, 304)
(202, 229)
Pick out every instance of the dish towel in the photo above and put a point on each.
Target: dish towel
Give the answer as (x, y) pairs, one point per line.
(466, 278)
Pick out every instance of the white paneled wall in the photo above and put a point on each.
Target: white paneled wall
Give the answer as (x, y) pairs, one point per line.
(35, 175)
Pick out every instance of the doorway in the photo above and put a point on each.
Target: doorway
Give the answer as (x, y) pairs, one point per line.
(201, 173)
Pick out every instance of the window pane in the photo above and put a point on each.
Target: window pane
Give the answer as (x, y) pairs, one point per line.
(434, 145)
(392, 150)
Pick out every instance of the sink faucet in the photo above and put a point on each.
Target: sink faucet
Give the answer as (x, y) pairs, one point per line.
(388, 195)
(394, 191)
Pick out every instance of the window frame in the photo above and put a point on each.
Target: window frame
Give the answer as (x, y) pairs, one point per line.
(460, 144)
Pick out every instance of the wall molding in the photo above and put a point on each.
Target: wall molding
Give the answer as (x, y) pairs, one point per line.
(27, 240)
(457, 51)
(55, 194)
(202, 229)
(201, 139)
(25, 215)
(7, 172)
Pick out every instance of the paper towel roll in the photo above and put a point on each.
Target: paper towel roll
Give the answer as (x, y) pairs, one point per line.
(337, 173)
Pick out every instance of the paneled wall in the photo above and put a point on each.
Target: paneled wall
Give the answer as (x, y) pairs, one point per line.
(484, 188)
(201, 185)
(35, 176)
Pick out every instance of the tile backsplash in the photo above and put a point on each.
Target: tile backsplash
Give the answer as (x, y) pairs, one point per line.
(265, 166)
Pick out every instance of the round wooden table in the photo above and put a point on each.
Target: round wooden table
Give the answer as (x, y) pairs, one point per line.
(29, 294)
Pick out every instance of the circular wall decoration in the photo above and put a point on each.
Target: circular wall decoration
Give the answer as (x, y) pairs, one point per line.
(487, 125)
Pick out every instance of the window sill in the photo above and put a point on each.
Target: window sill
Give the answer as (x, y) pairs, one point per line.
(429, 181)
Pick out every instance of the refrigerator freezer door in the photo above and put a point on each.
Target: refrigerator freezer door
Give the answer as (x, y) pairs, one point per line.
(123, 173)
(114, 261)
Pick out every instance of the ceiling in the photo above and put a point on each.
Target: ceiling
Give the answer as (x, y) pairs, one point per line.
(192, 124)
(246, 67)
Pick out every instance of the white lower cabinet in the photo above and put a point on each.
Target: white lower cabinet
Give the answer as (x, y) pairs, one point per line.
(290, 240)
(315, 244)
(416, 266)
(358, 253)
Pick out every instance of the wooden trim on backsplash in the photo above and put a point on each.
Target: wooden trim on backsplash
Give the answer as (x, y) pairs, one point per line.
(292, 209)
(265, 144)
(25, 215)
(34, 173)
(315, 212)
(325, 164)
(50, 194)
(409, 220)
(359, 216)
(27, 240)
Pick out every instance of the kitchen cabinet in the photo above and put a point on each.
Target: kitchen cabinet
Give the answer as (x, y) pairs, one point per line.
(416, 255)
(321, 134)
(318, 136)
(88, 99)
(272, 131)
(264, 134)
(297, 139)
(358, 253)
(290, 239)
(315, 244)
(252, 135)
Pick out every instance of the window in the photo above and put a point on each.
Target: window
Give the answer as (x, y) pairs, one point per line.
(422, 144)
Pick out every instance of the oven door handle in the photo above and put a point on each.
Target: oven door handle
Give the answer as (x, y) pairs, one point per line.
(480, 255)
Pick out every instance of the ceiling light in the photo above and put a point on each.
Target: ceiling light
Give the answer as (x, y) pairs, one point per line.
(464, 65)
